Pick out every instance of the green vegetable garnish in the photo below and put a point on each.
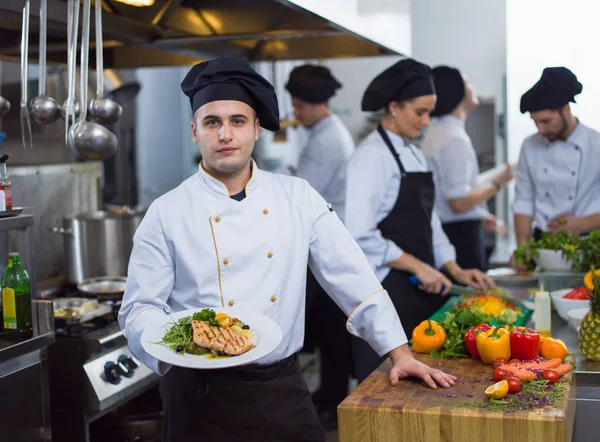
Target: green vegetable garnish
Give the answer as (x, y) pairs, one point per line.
(207, 315)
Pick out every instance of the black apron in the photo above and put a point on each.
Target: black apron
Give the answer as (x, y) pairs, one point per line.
(409, 226)
(468, 239)
(252, 403)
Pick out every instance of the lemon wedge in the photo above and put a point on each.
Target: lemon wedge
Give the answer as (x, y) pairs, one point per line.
(498, 390)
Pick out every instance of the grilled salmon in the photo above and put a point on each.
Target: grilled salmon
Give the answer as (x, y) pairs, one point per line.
(220, 339)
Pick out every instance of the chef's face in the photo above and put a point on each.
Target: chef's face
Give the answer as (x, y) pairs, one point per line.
(307, 114)
(411, 116)
(225, 132)
(551, 123)
(470, 100)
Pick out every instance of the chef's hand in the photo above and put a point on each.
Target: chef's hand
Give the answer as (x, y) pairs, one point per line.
(519, 267)
(432, 280)
(405, 366)
(505, 177)
(474, 278)
(570, 223)
(493, 225)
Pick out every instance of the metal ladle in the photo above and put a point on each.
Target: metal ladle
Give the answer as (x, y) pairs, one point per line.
(24, 116)
(89, 140)
(4, 106)
(102, 110)
(45, 110)
(69, 110)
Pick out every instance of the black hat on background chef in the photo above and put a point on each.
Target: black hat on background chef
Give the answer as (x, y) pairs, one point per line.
(227, 78)
(404, 80)
(311, 83)
(556, 87)
(449, 88)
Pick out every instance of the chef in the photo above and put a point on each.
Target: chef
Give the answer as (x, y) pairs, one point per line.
(558, 178)
(327, 149)
(459, 201)
(389, 204)
(234, 235)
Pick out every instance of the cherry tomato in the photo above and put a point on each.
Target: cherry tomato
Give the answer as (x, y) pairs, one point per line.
(498, 362)
(514, 361)
(550, 375)
(499, 374)
(514, 385)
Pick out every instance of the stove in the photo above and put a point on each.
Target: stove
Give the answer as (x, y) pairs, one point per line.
(92, 373)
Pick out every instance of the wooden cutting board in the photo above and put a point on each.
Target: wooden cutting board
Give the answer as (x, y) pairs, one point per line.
(412, 412)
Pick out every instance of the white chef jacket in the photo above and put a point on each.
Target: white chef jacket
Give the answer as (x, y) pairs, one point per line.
(560, 177)
(196, 247)
(453, 161)
(372, 188)
(328, 148)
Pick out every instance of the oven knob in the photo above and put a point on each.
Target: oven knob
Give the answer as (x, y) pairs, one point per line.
(112, 373)
(127, 364)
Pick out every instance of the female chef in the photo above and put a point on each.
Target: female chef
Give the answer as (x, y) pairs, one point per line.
(234, 235)
(389, 202)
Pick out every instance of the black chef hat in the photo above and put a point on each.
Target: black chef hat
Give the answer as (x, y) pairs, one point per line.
(311, 83)
(226, 78)
(449, 88)
(556, 87)
(405, 80)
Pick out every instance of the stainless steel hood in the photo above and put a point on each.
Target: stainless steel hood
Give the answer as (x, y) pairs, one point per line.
(178, 32)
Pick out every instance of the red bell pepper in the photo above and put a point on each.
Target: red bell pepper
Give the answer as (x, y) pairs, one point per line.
(524, 343)
(470, 339)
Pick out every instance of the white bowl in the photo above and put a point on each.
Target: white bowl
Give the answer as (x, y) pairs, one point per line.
(563, 306)
(552, 261)
(576, 316)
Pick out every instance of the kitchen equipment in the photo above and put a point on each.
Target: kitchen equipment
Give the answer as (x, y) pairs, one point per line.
(98, 243)
(563, 306)
(102, 110)
(576, 316)
(103, 286)
(26, 135)
(68, 311)
(411, 411)
(89, 140)
(70, 108)
(552, 261)
(4, 106)
(45, 110)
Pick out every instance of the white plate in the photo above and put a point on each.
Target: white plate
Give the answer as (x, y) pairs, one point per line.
(508, 276)
(267, 336)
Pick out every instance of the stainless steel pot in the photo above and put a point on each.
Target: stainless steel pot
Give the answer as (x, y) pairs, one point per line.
(98, 243)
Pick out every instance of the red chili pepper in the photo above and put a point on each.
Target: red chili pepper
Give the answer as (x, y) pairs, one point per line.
(524, 344)
(470, 339)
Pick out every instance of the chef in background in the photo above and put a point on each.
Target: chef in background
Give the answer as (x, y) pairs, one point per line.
(459, 202)
(558, 178)
(234, 235)
(389, 204)
(327, 149)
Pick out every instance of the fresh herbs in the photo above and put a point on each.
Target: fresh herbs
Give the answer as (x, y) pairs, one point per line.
(207, 315)
(581, 251)
(457, 323)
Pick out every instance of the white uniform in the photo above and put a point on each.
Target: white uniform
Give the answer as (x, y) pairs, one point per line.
(196, 247)
(322, 161)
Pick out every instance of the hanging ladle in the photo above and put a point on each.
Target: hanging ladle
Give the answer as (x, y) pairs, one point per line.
(44, 109)
(4, 106)
(102, 110)
(69, 110)
(88, 139)
(24, 116)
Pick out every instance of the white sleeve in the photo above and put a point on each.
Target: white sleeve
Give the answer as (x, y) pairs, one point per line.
(524, 203)
(366, 186)
(443, 250)
(454, 168)
(314, 167)
(150, 280)
(343, 271)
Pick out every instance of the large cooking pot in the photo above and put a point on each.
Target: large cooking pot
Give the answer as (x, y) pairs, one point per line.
(98, 243)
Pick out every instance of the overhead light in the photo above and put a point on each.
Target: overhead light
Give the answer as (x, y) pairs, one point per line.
(137, 2)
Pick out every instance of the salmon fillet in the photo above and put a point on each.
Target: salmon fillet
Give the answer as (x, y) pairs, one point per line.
(220, 339)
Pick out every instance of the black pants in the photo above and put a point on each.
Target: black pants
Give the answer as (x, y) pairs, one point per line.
(468, 239)
(326, 328)
(251, 403)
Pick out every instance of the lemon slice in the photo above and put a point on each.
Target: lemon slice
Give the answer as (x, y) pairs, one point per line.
(498, 390)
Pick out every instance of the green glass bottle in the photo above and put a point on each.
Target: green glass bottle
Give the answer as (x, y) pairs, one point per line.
(16, 296)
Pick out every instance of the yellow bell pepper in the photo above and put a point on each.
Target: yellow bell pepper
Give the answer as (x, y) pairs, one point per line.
(427, 336)
(494, 343)
(588, 280)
